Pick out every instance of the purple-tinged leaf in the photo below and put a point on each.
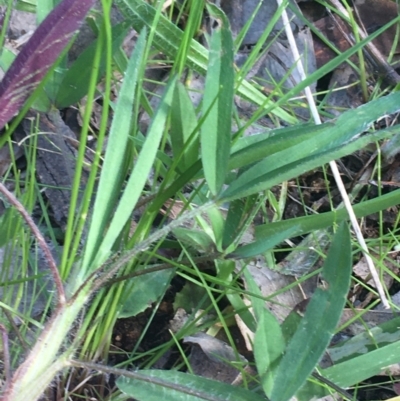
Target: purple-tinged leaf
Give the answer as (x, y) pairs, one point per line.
(39, 54)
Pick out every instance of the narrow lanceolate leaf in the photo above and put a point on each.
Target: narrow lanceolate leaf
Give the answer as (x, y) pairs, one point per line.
(269, 343)
(183, 124)
(138, 176)
(217, 104)
(39, 54)
(362, 367)
(275, 168)
(112, 174)
(320, 320)
(169, 385)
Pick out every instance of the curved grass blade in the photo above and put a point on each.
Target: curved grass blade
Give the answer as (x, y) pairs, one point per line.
(320, 320)
(39, 55)
(217, 104)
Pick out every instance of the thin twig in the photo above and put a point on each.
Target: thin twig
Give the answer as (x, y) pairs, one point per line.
(332, 164)
(41, 241)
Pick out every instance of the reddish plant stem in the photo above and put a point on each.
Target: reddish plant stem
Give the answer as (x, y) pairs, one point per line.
(41, 241)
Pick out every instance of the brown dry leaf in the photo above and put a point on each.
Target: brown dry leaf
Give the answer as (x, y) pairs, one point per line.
(362, 271)
(269, 282)
(208, 356)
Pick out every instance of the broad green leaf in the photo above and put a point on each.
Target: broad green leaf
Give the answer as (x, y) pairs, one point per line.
(184, 141)
(319, 322)
(168, 38)
(217, 222)
(269, 343)
(138, 177)
(347, 128)
(294, 170)
(290, 324)
(250, 149)
(217, 104)
(378, 336)
(75, 82)
(269, 346)
(274, 170)
(242, 310)
(360, 368)
(143, 290)
(112, 173)
(156, 385)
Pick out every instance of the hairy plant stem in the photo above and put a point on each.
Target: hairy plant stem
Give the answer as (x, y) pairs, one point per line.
(43, 362)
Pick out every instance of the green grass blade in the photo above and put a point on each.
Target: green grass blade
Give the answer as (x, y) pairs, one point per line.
(183, 124)
(240, 188)
(348, 127)
(217, 104)
(320, 320)
(307, 224)
(366, 341)
(195, 11)
(363, 367)
(139, 175)
(168, 38)
(250, 149)
(156, 385)
(112, 173)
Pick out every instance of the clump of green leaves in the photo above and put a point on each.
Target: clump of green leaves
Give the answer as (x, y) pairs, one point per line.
(232, 174)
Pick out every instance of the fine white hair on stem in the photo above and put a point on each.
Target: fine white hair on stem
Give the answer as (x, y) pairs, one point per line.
(332, 164)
